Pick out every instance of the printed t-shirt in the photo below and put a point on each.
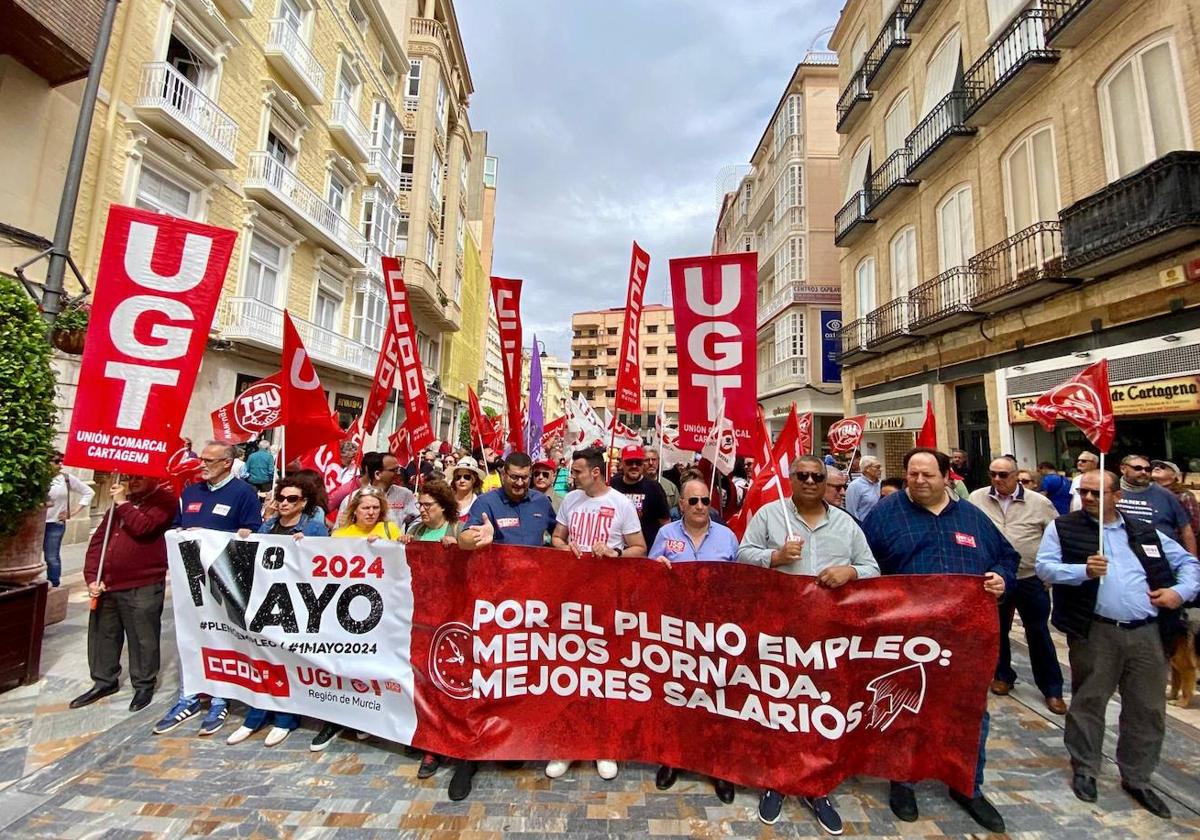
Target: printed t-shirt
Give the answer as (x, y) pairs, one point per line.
(606, 518)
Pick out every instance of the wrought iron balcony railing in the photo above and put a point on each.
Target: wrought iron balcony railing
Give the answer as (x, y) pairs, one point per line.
(889, 177)
(850, 220)
(1024, 267)
(890, 324)
(941, 125)
(944, 302)
(892, 39)
(856, 91)
(1005, 70)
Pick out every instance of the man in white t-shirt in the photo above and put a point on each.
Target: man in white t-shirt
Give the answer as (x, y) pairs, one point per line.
(1087, 461)
(598, 520)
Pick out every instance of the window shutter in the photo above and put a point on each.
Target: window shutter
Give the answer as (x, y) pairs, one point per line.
(898, 123)
(941, 72)
(858, 170)
(1162, 99)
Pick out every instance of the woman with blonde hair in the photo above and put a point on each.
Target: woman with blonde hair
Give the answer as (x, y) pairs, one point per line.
(366, 517)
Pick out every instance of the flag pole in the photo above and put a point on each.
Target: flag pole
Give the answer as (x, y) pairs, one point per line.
(662, 412)
(1100, 541)
(112, 513)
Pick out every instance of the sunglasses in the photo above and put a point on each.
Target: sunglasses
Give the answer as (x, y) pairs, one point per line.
(465, 477)
(698, 500)
(1027, 481)
(814, 477)
(291, 498)
(1138, 468)
(1085, 460)
(1083, 491)
(543, 474)
(632, 462)
(999, 473)
(215, 460)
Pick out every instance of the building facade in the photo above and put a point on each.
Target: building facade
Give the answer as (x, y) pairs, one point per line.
(1020, 194)
(783, 209)
(595, 345)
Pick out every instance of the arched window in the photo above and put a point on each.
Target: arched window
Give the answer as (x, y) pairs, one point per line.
(1031, 180)
(1141, 108)
(903, 250)
(864, 286)
(956, 228)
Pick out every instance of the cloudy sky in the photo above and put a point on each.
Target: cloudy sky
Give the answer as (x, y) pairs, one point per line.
(612, 120)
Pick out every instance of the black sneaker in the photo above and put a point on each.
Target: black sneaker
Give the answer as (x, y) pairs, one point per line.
(328, 732)
(770, 806)
(827, 816)
(903, 802)
(1148, 799)
(982, 811)
(429, 765)
(460, 782)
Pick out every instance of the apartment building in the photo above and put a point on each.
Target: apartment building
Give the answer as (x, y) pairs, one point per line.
(482, 207)
(1020, 194)
(595, 345)
(783, 209)
(556, 382)
(327, 134)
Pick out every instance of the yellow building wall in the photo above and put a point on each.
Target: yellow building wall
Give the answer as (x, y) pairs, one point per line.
(462, 363)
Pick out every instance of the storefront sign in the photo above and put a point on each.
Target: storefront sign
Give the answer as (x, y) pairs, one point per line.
(831, 324)
(885, 423)
(348, 404)
(1158, 396)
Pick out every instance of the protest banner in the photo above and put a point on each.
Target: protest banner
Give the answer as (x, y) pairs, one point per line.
(714, 300)
(408, 360)
(523, 653)
(156, 293)
(250, 413)
(304, 410)
(506, 295)
(629, 363)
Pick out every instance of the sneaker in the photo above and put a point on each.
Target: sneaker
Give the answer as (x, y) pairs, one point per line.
(460, 782)
(770, 807)
(240, 734)
(555, 769)
(827, 816)
(277, 735)
(328, 732)
(214, 720)
(606, 768)
(429, 765)
(180, 712)
(362, 736)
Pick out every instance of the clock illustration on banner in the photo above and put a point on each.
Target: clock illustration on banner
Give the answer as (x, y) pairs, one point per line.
(450, 660)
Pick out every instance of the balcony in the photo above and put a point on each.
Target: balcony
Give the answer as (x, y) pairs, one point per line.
(429, 29)
(1148, 213)
(348, 130)
(272, 183)
(789, 295)
(1011, 66)
(785, 375)
(791, 149)
(173, 105)
(1027, 266)
(889, 325)
(789, 221)
(251, 321)
(943, 303)
(236, 8)
(939, 134)
(885, 53)
(291, 58)
(381, 168)
(853, 338)
(1074, 20)
(918, 13)
(854, 93)
(852, 220)
(889, 180)
(429, 302)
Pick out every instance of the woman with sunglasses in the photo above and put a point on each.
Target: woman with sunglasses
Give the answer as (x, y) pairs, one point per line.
(366, 517)
(294, 518)
(467, 480)
(67, 497)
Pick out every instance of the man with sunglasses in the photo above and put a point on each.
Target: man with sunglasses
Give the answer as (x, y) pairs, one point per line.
(647, 494)
(1119, 607)
(835, 488)
(380, 470)
(806, 535)
(1085, 463)
(1145, 501)
(544, 472)
(1022, 515)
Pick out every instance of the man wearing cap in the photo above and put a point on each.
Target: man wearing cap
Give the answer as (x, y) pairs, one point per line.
(543, 481)
(1147, 502)
(1169, 477)
(1086, 462)
(646, 493)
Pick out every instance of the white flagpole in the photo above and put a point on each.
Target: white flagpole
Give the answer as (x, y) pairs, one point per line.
(1100, 542)
(662, 425)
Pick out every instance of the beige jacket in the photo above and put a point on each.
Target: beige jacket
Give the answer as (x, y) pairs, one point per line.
(1022, 524)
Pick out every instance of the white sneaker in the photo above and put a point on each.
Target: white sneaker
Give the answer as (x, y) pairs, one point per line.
(554, 769)
(238, 735)
(606, 768)
(277, 735)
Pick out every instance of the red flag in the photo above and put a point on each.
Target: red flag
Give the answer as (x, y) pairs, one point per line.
(183, 469)
(478, 421)
(398, 445)
(714, 302)
(251, 412)
(386, 365)
(927, 437)
(506, 294)
(303, 410)
(629, 369)
(763, 456)
(1085, 401)
(325, 459)
(805, 440)
(156, 293)
(412, 377)
(846, 435)
(554, 429)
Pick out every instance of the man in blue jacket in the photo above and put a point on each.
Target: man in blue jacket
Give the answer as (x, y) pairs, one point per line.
(924, 530)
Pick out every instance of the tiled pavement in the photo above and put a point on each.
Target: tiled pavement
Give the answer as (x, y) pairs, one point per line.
(98, 773)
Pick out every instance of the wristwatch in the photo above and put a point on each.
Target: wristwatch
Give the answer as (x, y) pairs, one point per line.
(620, 551)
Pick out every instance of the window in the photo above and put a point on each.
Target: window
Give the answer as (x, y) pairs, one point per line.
(401, 234)
(388, 71)
(370, 313)
(652, 371)
(413, 89)
(611, 331)
(789, 262)
(610, 393)
(744, 200)
(860, 168)
(942, 72)
(385, 130)
(435, 177)
(290, 11)
(462, 174)
(864, 286)
(652, 351)
(346, 87)
(672, 371)
(280, 151)
(338, 195)
(956, 229)
(408, 157)
(327, 309)
(748, 242)
(788, 189)
(904, 261)
(458, 285)
(788, 121)
(431, 248)
(858, 49)
(611, 351)
(192, 65)
(442, 110)
(460, 232)
(490, 165)
(1031, 180)
(162, 194)
(358, 16)
(897, 125)
(610, 371)
(263, 270)
(672, 394)
(670, 328)
(652, 328)
(1001, 12)
(1141, 109)
(789, 337)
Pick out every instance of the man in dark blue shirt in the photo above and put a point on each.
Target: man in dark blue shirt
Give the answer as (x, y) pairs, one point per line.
(926, 530)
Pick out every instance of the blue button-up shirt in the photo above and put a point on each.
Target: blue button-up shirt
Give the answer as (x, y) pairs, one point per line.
(861, 497)
(908, 539)
(526, 522)
(1123, 594)
(673, 542)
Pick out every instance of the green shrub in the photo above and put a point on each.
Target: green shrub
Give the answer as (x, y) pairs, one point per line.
(75, 316)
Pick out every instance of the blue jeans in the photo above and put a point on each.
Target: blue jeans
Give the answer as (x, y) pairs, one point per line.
(214, 702)
(51, 543)
(255, 718)
(979, 762)
(1032, 601)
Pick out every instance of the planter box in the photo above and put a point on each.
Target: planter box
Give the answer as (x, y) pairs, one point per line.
(22, 625)
(56, 604)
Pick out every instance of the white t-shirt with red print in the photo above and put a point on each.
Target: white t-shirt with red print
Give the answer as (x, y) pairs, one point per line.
(607, 519)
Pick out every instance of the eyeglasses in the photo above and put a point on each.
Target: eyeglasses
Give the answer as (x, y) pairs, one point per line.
(1138, 468)
(543, 474)
(423, 505)
(632, 462)
(840, 488)
(999, 473)
(1083, 491)
(291, 499)
(465, 477)
(814, 477)
(1027, 481)
(518, 479)
(698, 500)
(1085, 460)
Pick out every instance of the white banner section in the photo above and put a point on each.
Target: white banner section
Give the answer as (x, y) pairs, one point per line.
(319, 627)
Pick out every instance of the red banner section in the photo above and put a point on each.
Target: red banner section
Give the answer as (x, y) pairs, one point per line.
(846, 434)
(629, 366)
(253, 411)
(715, 310)
(303, 410)
(506, 295)
(412, 376)
(156, 293)
(805, 440)
(741, 673)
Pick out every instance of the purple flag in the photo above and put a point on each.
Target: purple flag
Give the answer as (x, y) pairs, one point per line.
(537, 413)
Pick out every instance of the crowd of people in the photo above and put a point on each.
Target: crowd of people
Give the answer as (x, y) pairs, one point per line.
(1032, 538)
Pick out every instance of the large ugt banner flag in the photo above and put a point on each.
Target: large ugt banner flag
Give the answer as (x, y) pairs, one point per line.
(715, 309)
(629, 365)
(733, 671)
(156, 293)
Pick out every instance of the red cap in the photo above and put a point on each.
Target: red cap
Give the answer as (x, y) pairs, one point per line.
(547, 463)
(633, 453)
